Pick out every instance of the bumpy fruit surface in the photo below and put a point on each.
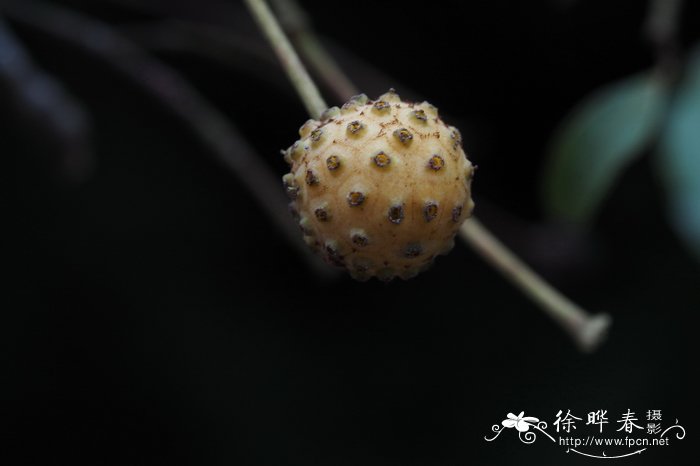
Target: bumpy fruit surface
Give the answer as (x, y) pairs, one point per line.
(379, 187)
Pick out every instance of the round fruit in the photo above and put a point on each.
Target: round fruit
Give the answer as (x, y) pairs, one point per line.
(379, 187)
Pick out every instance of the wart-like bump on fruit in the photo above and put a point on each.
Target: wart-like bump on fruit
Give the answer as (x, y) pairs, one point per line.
(333, 162)
(436, 162)
(430, 211)
(420, 115)
(381, 159)
(311, 178)
(356, 198)
(403, 135)
(396, 214)
(354, 127)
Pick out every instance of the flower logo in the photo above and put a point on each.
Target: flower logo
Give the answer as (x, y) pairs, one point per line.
(522, 424)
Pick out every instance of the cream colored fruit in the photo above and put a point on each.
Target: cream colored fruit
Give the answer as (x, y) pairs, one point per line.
(379, 187)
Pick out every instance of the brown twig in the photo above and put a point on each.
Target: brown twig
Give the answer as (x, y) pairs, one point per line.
(176, 94)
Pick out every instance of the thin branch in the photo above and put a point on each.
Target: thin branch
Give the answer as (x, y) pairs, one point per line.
(588, 331)
(300, 78)
(297, 25)
(175, 93)
(46, 105)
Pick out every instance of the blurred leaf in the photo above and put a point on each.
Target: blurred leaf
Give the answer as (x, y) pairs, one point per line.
(679, 156)
(596, 142)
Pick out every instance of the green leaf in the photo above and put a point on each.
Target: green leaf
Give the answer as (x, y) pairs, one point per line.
(679, 156)
(600, 137)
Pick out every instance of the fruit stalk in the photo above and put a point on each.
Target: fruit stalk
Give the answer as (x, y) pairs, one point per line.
(300, 78)
(297, 25)
(588, 331)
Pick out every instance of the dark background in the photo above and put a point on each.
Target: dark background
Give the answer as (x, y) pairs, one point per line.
(153, 315)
